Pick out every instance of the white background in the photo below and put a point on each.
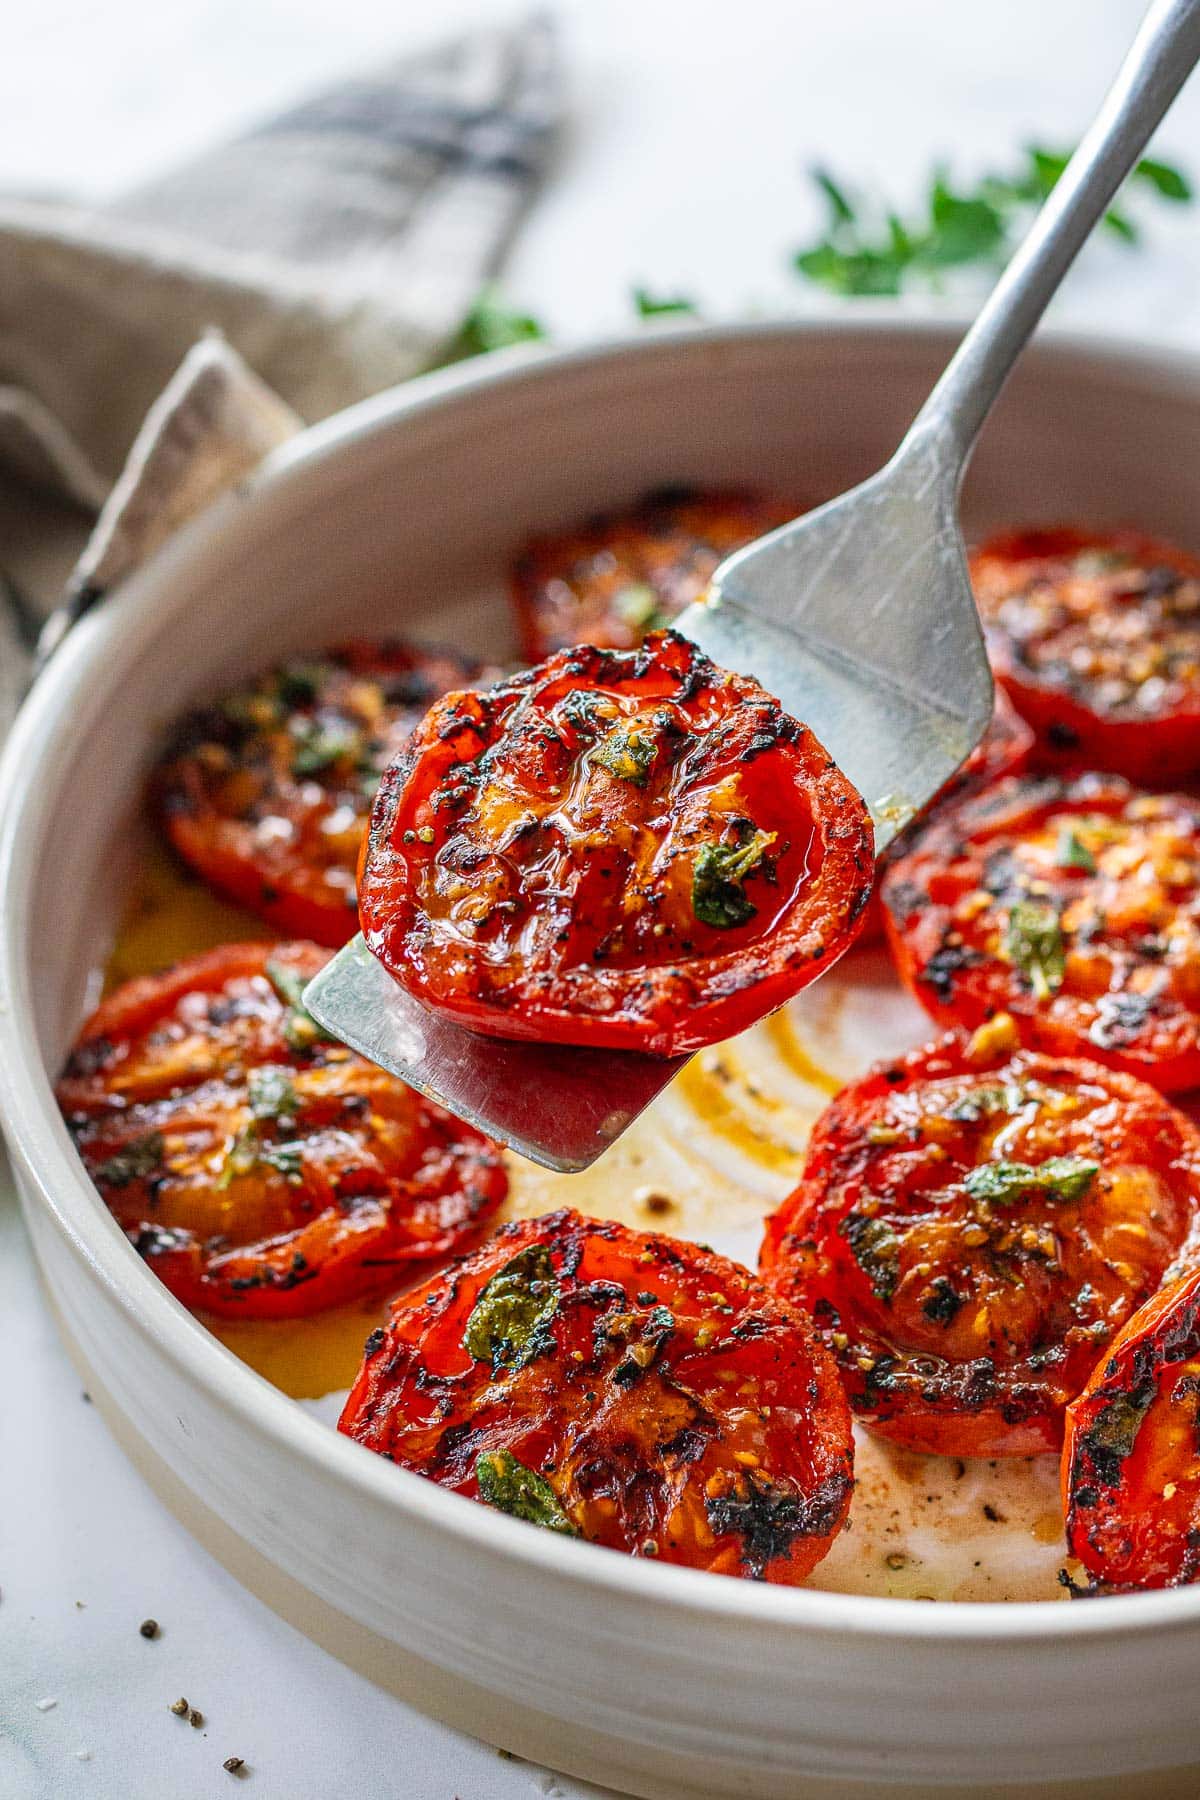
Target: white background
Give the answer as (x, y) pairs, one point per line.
(682, 167)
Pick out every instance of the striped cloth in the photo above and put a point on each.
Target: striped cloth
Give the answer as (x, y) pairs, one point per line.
(332, 251)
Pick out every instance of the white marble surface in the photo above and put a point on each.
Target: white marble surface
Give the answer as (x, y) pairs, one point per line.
(682, 168)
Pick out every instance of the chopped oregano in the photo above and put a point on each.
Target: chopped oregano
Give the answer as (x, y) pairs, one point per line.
(141, 1157)
(1033, 943)
(1062, 1178)
(718, 896)
(626, 753)
(876, 1249)
(509, 1486)
(509, 1323)
(1072, 853)
(272, 1093)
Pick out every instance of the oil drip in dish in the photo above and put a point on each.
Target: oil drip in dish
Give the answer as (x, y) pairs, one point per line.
(718, 1150)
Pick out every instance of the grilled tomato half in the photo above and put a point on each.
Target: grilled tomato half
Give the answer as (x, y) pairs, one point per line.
(1131, 1459)
(620, 1387)
(1073, 906)
(970, 1237)
(631, 849)
(1096, 636)
(266, 794)
(627, 573)
(262, 1170)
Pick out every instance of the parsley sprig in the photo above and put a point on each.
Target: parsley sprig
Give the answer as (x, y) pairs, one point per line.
(867, 249)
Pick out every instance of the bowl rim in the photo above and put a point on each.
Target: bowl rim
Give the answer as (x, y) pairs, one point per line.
(39, 1141)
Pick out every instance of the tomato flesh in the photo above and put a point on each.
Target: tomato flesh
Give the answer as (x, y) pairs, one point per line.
(635, 849)
(261, 1170)
(630, 1389)
(1131, 1458)
(1096, 636)
(267, 793)
(627, 573)
(970, 1234)
(1071, 905)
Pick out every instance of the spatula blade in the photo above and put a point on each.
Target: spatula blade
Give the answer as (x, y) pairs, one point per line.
(559, 1106)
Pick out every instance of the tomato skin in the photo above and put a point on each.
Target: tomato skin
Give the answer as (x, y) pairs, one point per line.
(1128, 990)
(625, 573)
(1104, 663)
(965, 1317)
(515, 883)
(1131, 1456)
(267, 793)
(262, 1171)
(676, 1407)
(1005, 749)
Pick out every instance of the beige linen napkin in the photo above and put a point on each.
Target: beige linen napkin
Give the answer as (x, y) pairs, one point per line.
(152, 351)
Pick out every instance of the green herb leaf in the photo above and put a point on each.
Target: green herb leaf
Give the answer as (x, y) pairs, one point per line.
(1166, 180)
(319, 747)
(272, 1093)
(652, 306)
(491, 324)
(300, 1029)
(1033, 943)
(241, 1156)
(626, 753)
(876, 1249)
(1072, 853)
(718, 897)
(141, 1157)
(1062, 1178)
(509, 1486)
(637, 606)
(287, 1159)
(870, 249)
(988, 1103)
(841, 211)
(510, 1322)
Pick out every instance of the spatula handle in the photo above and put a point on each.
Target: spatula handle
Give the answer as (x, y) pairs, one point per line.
(1163, 55)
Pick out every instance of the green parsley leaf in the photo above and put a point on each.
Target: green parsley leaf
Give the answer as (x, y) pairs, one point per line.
(509, 1323)
(1072, 853)
(1167, 181)
(272, 1093)
(509, 1486)
(718, 897)
(988, 1103)
(626, 753)
(1062, 1178)
(492, 324)
(141, 1158)
(652, 306)
(1033, 943)
(869, 249)
(287, 1159)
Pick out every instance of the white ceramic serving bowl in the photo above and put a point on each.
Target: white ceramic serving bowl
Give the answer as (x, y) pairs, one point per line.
(402, 514)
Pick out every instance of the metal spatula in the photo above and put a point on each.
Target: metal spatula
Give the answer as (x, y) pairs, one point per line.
(859, 618)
